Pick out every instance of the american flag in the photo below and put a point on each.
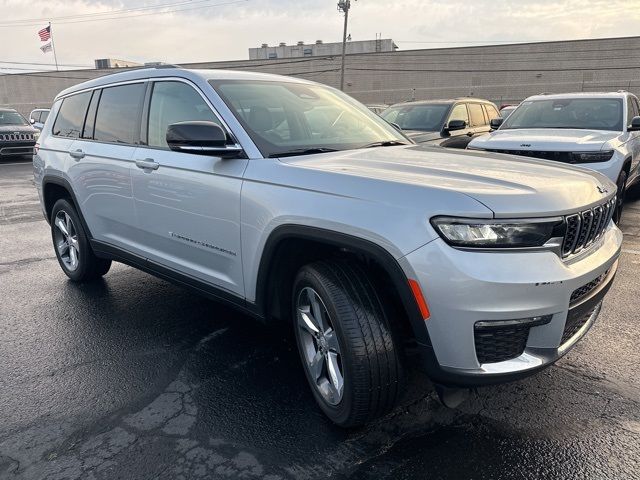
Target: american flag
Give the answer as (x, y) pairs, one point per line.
(45, 33)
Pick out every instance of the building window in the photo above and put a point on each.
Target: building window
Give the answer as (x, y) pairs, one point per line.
(307, 52)
(273, 55)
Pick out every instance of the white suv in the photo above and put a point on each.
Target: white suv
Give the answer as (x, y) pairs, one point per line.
(600, 131)
(291, 201)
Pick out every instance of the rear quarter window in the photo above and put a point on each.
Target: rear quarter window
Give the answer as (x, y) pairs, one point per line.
(71, 116)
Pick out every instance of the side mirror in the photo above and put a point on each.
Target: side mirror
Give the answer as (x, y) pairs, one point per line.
(456, 125)
(200, 137)
(32, 120)
(635, 125)
(396, 126)
(495, 123)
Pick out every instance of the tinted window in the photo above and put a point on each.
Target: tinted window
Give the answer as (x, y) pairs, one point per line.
(477, 115)
(118, 117)
(89, 123)
(491, 112)
(173, 102)
(581, 113)
(426, 118)
(71, 116)
(459, 112)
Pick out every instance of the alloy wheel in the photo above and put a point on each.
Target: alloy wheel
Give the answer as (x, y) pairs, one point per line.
(319, 345)
(66, 240)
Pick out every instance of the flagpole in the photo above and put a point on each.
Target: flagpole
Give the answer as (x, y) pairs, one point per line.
(53, 45)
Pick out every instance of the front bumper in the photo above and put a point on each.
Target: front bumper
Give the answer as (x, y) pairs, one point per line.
(17, 148)
(465, 287)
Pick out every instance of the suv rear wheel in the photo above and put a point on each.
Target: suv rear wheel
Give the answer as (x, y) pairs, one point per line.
(349, 355)
(71, 244)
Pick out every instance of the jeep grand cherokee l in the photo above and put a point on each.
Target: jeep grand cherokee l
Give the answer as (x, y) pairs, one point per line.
(292, 201)
(600, 131)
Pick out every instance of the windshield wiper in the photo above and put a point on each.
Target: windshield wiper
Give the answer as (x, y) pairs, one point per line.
(386, 143)
(303, 151)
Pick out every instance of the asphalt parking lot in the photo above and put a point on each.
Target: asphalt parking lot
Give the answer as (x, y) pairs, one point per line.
(134, 378)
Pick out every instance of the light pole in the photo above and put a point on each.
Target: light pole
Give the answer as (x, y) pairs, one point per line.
(344, 6)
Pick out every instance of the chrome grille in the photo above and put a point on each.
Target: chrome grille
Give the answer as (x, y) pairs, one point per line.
(12, 137)
(585, 227)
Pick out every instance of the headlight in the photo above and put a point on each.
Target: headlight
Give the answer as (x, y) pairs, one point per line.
(490, 233)
(590, 157)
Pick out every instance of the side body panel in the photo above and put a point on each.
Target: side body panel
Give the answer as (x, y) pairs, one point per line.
(189, 215)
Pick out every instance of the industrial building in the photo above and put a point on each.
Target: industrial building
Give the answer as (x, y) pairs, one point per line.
(319, 48)
(501, 73)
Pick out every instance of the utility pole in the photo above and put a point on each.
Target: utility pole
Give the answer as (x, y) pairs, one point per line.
(344, 6)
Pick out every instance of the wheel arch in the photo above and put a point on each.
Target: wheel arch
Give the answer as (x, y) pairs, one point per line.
(278, 266)
(53, 189)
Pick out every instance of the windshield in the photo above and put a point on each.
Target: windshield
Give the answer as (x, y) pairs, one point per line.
(426, 118)
(11, 118)
(283, 116)
(579, 113)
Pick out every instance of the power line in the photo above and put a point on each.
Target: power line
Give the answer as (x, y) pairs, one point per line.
(120, 16)
(109, 12)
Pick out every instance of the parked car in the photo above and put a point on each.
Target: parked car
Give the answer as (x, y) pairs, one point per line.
(38, 116)
(377, 108)
(448, 123)
(380, 254)
(600, 131)
(17, 137)
(507, 110)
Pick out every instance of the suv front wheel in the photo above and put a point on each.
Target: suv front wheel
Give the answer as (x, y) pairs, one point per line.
(72, 247)
(349, 355)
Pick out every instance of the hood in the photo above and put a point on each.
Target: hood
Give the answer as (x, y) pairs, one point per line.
(545, 139)
(17, 128)
(419, 136)
(509, 186)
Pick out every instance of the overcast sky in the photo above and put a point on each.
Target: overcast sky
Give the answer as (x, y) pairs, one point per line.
(207, 30)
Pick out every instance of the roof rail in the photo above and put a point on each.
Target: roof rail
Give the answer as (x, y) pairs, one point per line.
(622, 91)
(544, 93)
(160, 65)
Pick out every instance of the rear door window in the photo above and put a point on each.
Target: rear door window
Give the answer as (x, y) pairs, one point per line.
(44, 116)
(477, 115)
(118, 115)
(71, 116)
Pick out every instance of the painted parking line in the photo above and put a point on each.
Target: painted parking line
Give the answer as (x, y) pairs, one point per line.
(633, 252)
(15, 163)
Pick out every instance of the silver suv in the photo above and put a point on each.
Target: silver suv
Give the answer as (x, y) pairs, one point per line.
(293, 202)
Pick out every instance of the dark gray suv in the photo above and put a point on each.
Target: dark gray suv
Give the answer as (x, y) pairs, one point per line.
(448, 123)
(17, 137)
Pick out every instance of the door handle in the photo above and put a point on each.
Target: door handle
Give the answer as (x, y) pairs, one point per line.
(77, 154)
(147, 164)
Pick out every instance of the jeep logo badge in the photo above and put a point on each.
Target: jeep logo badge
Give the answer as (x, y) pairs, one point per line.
(525, 144)
(602, 190)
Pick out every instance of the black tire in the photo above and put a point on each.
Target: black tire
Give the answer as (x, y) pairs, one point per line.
(622, 190)
(370, 359)
(89, 267)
